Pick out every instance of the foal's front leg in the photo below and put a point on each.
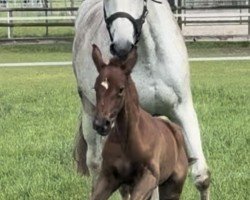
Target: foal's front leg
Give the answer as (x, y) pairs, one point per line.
(145, 186)
(104, 187)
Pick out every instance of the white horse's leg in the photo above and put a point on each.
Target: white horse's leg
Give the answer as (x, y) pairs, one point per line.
(95, 142)
(155, 195)
(185, 116)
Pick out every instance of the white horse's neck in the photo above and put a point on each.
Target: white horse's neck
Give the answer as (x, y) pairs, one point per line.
(161, 36)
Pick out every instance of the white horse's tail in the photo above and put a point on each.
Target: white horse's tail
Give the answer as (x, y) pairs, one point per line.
(80, 149)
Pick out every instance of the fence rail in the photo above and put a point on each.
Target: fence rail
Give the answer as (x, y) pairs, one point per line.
(37, 9)
(48, 21)
(68, 63)
(11, 21)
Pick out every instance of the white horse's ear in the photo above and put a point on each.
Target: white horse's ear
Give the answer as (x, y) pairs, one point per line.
(130, 62)
(97, 57)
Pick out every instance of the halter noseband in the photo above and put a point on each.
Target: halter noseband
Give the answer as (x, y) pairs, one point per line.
(137, 23)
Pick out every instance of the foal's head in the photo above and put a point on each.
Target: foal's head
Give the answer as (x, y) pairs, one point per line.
(110, 87)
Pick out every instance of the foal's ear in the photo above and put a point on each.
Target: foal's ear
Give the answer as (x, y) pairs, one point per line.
(130, 62)
(97, 57)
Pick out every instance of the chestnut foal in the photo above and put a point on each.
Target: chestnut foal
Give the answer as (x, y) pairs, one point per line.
(141, 151)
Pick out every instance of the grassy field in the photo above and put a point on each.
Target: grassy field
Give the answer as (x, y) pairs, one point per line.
(39, 108)
(62, 52)
(19, 32)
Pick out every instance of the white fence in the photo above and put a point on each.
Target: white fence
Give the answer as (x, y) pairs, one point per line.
(186, 18)
(67, 63)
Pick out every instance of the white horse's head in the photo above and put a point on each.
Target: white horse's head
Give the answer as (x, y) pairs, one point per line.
(124, 20)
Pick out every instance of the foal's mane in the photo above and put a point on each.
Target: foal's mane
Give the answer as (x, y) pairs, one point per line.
(115, 61)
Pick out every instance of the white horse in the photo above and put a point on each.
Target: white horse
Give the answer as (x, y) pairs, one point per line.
(161, 75)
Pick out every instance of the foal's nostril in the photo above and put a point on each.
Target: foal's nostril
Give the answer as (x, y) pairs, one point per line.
(112, 49)
(101, 125)
(107, 123)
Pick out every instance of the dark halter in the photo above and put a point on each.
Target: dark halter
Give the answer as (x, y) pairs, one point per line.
(137, 23)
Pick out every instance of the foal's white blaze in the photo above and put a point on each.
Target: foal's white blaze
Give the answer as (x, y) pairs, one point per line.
(105, 84)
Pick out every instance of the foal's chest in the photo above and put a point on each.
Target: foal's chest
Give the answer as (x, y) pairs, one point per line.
(126, 170)
(120, 165)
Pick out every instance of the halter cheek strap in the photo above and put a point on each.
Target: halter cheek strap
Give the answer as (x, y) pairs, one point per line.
(137, 23)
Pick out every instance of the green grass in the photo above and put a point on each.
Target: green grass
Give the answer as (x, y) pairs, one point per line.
(35, 53)
(20, 32)
(62, 52)
(38, 114)
(218, 49)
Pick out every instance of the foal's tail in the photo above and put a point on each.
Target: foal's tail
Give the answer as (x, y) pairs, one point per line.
(80, 149)
(178, 134)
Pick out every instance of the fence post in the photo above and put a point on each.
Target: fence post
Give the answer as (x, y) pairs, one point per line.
(72, 4)
(9, 15)
(46, 21)
(249, 18)
(179, 11)
(10, 21)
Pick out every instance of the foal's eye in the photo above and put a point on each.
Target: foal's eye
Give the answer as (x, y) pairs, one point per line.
(121, 91)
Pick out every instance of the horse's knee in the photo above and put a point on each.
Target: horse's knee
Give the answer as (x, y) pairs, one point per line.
(93, 164)
(202, 181)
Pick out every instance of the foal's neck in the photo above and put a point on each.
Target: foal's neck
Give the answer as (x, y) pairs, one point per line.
(128, 118)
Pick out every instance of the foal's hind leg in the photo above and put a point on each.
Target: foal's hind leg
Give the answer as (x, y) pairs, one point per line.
(125, 193)
(185, 116)
(172, 188)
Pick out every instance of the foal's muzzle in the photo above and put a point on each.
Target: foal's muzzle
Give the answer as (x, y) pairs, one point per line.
(102, 125)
